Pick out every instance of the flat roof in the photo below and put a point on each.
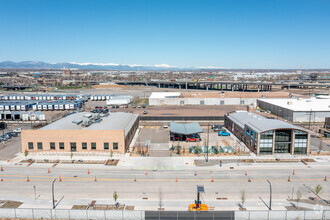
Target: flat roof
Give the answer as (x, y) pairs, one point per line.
(259, 123)
(115, 121)
(300, 104)
(185, 129)
(158, 95)
(225, 94)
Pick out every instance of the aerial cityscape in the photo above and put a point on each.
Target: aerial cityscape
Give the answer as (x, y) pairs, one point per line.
(141, 109)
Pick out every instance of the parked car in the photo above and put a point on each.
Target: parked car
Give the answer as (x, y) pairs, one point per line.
(18, 130)
(223, 133)
(117, 106)
(139, 106)
(145, 112)
(133, 106)
(176, 138)
(165, 125)
(126, 106)
(144, 106)
(191, 138)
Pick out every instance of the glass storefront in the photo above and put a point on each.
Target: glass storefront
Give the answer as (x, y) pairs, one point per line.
(282, 141)
(300, 143)
(266, 142)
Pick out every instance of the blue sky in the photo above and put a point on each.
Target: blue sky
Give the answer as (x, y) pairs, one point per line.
(232, 33)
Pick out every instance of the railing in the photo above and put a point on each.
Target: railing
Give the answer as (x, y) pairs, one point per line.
(135, 215)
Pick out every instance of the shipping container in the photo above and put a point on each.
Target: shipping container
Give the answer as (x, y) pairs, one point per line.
(15, 116)
(32, 116)
(24, 116)
(40, 116)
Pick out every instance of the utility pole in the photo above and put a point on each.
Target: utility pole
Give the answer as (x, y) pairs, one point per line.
(310, 118)
(270, 199)
(53, 193)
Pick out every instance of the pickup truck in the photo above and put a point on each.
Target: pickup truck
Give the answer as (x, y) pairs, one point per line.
(223, 133)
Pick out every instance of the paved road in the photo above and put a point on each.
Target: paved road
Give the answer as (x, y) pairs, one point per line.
(79, 187)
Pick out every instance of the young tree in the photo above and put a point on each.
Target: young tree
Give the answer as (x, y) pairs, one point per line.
(111, 154)
(243, 197)
(115, 196)
(26, 153)
(299, 195)
(178, 148)
(318, 189)
(71, 155)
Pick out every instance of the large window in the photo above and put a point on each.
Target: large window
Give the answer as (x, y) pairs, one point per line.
(30, 145)
(282, 141)
(266, 142)
(73, 146)
(39, 144)
(300, 143)
(84, 145)
(93, 145)
(106, 146)
(115, 146)
(61, 145)
(52, 145)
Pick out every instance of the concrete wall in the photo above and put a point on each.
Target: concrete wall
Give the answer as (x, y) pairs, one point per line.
(77, 136)
(197, 101)
(312, 116)
(294, 116)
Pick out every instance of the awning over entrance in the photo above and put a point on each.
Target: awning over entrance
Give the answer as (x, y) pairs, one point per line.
(185, 129)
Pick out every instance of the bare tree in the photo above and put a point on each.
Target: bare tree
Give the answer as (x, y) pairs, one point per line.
(243, 197)
(111, 154)
(160, 195)
(26, 153)
(318, 189)
(299, 195)
(321, 145)
(178, 148)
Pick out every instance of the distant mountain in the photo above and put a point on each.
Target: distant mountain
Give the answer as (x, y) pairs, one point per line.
(90, 66)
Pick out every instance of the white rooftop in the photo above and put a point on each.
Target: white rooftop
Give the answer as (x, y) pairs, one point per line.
(115, 121)
(300, 104)
(158, 95)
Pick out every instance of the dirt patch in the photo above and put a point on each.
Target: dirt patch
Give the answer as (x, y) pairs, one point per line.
(111, 162)
(110, 86)
(103, 207)
(295, 208)
(10, 204)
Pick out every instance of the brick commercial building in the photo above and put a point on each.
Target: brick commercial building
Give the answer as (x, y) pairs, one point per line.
(267, 136)
(83, 132)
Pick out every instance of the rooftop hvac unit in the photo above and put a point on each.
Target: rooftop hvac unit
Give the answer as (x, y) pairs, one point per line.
(289, 103)
(77, 121)
(87, 122)
(87, 116)
(308, 100)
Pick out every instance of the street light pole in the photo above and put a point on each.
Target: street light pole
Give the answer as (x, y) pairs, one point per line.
(53, 193)
(270, 199)
(208, 136)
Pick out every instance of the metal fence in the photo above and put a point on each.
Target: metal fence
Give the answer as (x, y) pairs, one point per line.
(181, 118)
(148, 215)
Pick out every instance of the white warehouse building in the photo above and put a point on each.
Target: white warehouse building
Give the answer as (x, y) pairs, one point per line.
(211, 98)
(298, 110)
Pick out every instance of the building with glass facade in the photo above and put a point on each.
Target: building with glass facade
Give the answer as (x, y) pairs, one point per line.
(267, 136)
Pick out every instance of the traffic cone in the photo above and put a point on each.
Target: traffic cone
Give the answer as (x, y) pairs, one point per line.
(249, 179)
(1, 180)
(325, 178)
(95, 179)
(27, 179)
(146, 172)
(176, 180)
(245, 172)
(88, 171)
(212, 180)
(289, 179)
(60, 179)
(293, 172)
(48, 171)
(195, 173)
(134, 178)
(1, 168)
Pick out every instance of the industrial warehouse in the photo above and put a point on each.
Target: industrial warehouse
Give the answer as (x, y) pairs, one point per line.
(211, 98)
(267, 136)
(298, 110)
(83, 132)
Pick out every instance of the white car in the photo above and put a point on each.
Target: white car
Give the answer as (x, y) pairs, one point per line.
(18, 130)
(165, 125)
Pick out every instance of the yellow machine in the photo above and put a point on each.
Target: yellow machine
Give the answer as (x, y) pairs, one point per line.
(198, 205)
